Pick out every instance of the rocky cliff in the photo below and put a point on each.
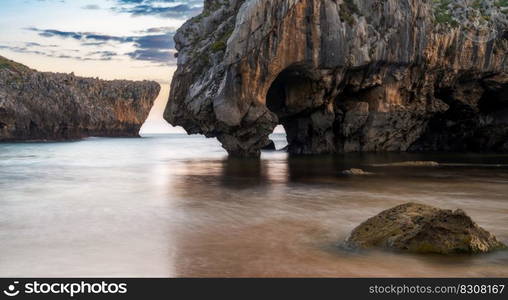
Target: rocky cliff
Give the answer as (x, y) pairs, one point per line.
(345, 75)
(49, 106)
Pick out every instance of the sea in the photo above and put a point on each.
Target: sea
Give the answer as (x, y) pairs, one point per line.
(176, 206)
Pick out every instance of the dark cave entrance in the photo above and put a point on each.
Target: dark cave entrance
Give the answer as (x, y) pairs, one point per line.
(476, 119)
(290, 92)
(290, 96)
(494, 102)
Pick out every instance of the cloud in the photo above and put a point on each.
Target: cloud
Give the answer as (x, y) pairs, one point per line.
(160, 41)
(91, 7)
(104, 55)
(153, 44)
(93, 44)
(153, 55)
(38, 49)
(21, 49)
(33, 44)
(80, 36)
(159, 29)
(162, 8)
(158, 48)
(163, 41)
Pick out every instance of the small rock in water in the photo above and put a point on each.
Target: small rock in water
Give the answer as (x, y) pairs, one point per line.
(409, 164)
(355, 172)
(420, 228)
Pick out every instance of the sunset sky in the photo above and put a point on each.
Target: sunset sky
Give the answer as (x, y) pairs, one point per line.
(109, 39)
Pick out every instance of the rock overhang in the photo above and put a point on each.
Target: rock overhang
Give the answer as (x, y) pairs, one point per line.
(350, 76)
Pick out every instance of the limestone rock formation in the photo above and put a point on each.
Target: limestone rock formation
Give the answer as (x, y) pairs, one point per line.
(424, 229)
(50, 106)
(270, 146)
(345, 75)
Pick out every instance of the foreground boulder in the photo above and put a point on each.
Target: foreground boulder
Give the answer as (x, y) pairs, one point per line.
(420, 228)
(345, 75)
(50, 106)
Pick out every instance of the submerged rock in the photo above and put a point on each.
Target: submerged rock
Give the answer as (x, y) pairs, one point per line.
(420, 228)
(51, 106)
(409, 164)
(344, 75)
(356, 172)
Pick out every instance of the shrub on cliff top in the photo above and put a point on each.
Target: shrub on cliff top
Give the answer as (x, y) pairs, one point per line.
(12, 65)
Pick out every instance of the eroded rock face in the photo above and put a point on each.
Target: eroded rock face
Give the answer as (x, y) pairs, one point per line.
(49, 106)
(343, 76)
(424, 229)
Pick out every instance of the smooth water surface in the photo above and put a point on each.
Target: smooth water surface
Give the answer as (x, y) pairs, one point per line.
(175, 205)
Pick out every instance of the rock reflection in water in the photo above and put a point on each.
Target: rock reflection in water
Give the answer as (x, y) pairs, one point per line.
(288, 216)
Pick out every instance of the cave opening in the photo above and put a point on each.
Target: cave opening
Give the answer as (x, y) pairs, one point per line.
(494, 102)
(289, 97)
(277, 140)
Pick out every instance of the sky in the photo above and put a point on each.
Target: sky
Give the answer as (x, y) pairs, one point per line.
(109, 39)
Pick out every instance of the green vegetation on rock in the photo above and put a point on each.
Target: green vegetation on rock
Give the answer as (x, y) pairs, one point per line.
(221, 43)
(443, 14)
(478, 12)
(12, 65)
(347, 9)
